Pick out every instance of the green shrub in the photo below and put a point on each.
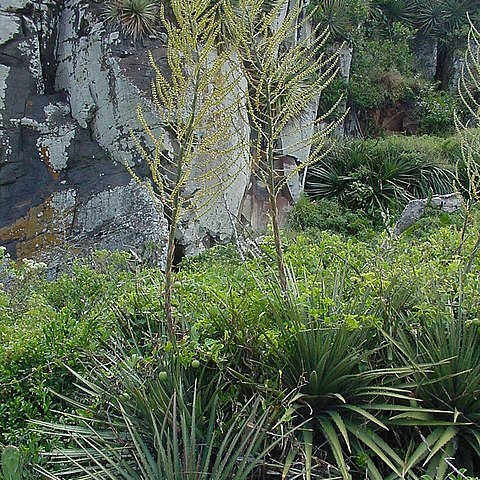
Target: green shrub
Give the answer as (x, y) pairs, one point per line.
(449, 392)
(242, 330)
(443, 151)
(45, 327)
(381, 71)
(377, 175)
(329, 215)
(435, 111)
(152, 417)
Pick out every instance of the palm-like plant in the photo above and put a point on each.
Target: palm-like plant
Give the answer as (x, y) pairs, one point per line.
(363, 177)
(430, 16)
(450, 391)
(341, 17)
(437, 18)
(443, 20)
(137, 424)
(397, 10)
(457, 11)
(331, 366)
(440, 20)
(338, 17)
(341, 393)
(136, 18)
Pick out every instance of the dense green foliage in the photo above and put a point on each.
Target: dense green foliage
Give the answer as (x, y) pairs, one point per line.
(45, 327)
(358, 314)
(435, 110)
(404, 57)
(314, 216)
(377, 175)
(382, 70)
(358, 359)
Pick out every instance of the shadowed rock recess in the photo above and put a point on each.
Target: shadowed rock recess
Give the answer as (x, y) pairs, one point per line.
(69, 89)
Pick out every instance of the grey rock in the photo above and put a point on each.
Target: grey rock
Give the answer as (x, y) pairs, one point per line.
(10, 27)
(122, 218)
(69, 90)
(58, 150)
(425, 57)
(415, 209)
(15, 5)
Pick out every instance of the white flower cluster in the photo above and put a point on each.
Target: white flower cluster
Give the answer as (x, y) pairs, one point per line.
(33, 266)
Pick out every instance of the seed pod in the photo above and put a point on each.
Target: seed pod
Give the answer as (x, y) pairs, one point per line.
(195, 363)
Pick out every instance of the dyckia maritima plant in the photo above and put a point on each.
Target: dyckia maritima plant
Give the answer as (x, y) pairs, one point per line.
(282, 84)
(197, 101)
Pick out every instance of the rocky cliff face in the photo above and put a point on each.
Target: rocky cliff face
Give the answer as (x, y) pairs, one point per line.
(69, 89)
(68, 93)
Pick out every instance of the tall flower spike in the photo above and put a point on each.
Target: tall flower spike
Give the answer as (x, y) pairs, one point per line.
(282, 83)
(197, 101)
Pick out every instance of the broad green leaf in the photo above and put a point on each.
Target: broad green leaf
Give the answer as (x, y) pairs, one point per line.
(375, 443)
(11, 463)
(367, 415)
(288, 462)
(423, 449)
(341, 427)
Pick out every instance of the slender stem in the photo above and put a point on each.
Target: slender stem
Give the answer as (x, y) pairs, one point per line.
(278, 241)
(176, 205)
(176, 211)
(272, 192)
(169, 279)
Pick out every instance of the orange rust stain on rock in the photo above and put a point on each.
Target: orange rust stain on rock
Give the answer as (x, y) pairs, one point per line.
(34, 232)
(31, 248)
(45, 155)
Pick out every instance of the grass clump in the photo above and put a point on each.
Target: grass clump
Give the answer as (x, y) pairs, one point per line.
(135, 18)
(376, 176)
